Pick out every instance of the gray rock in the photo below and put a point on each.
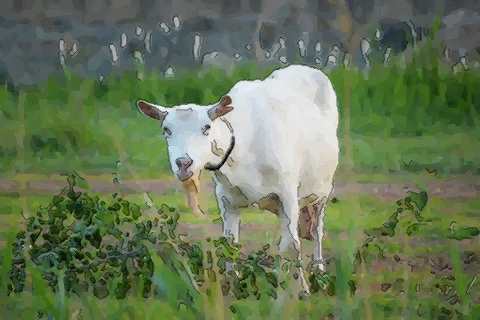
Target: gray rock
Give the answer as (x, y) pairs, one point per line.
(163, 33)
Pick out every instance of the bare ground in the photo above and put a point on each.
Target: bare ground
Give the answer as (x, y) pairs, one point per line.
(452, 188)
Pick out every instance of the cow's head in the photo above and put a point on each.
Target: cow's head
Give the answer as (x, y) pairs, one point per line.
(192, 133)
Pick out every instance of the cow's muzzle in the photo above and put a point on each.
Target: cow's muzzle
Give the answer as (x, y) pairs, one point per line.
(183, 164)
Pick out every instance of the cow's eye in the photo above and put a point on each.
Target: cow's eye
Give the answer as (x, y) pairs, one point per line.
(167, 132)
(205, 129)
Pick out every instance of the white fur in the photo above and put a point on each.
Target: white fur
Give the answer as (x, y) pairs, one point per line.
(286, 144)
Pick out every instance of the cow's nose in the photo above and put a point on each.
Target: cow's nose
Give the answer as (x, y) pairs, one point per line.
(183, 163)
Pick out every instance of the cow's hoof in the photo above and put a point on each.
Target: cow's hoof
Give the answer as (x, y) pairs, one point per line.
(319, 267)
(304, 294)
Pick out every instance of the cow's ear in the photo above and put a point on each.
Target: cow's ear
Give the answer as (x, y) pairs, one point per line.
(221, 109)
(151, 110)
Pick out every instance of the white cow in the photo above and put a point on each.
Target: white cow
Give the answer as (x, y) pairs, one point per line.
(269, 142)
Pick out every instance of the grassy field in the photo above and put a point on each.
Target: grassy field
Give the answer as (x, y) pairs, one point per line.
(400, 118)
(386, 288)
(415, 124)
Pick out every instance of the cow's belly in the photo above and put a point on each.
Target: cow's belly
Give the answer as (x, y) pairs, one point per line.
(252, 184)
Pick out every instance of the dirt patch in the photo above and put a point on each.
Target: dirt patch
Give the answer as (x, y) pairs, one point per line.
(443, 189)
(100, 186)
(455, 188)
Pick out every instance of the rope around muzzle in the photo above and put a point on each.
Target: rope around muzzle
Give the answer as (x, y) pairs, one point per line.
(214, 167)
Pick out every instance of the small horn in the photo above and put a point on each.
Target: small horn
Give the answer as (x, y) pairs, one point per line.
(221, 109)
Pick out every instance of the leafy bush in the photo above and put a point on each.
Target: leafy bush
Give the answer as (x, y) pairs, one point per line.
(90, 243)
(87, 244)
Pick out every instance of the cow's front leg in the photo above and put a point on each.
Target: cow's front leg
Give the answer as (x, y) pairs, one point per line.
(289, 233)
(228, 210)
(231, 219)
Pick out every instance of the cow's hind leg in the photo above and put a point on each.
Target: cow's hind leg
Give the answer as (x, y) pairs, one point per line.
(318, 261)
(289, 230)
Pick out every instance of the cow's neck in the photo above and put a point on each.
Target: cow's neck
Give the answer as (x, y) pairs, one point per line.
(223, 147)
(224, 157)
(236, 195)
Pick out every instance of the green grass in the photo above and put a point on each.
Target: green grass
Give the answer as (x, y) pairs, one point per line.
(449, 153)
(401, 119)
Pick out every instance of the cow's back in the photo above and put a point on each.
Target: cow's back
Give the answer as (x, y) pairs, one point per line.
(294, 89)
(287, 125)
(302, 87)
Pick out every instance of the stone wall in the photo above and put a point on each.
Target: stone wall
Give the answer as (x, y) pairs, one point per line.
(96, 37)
